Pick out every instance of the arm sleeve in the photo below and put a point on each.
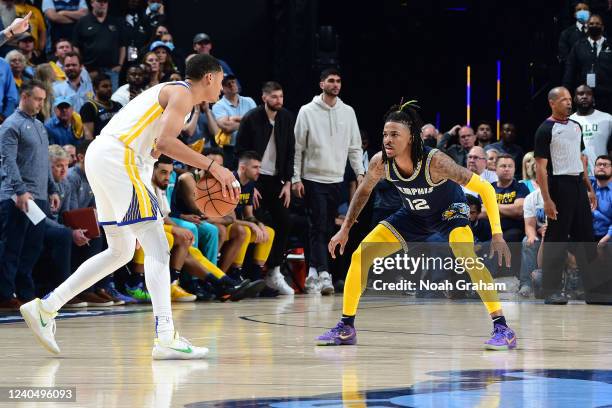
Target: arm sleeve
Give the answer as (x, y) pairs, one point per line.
(487, 194)
(355, 154)
(8, 158)
(301, 138)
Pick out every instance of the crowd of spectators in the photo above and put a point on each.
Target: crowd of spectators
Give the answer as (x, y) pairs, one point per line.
(76, 66)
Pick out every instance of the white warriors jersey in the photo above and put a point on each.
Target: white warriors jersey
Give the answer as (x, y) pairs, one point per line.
(136, 124)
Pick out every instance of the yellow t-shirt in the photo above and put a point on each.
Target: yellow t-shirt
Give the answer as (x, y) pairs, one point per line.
(37, 22)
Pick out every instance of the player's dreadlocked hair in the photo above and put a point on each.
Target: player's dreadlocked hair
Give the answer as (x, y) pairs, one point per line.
(407, 115)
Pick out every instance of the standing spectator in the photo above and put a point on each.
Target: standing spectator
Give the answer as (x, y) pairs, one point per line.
(492, 159)
(76, 86)
(229, 112)
(202, 44)
(269, 131)
(467, 140)
(326, 135)
(589, 62)
(535, 227)
(572, 34)
(100, 40)
(596, 126)
(46, 75)
(61, 127)
(510, 197)
(97, 112)
(484, 134)
(9, 97)
(507, 144)
(133, 88)
(477, 162)
(135, 30)
(38, 28)
(566, 190)
(17, 63)
(27, 175)
(602, 215)
(62, 16)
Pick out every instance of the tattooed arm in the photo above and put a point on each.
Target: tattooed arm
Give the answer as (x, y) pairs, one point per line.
(443, 167)
(376, 170)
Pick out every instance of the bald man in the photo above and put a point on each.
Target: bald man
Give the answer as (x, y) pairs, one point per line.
(477, 162)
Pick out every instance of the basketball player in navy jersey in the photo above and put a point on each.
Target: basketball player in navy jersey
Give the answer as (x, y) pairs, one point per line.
(430, 185)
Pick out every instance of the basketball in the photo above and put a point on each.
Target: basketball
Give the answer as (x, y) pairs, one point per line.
(209, 198)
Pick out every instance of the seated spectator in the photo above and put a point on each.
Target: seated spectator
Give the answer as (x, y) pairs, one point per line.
(492, 159)
(100, 39)
(430, 135)
(201, 129)
(62, 128)
(25, 44)
(535, 228)
(229, 112)
(529, 172)
(71, 150)
(596, 126)
(76, 86)
(575, 32)
(9, 96)
(164, 55)
(97, 112)
(202, 44)
(467, 140)
(38, 27)
(154, 77)
(484, 134)
(449, 138)
(45, 74)
(602, 215)
(510, 197)
(507, 144)
(477, 163)
(133, 88)
(18, 67)
(480, 226)
(62, 16)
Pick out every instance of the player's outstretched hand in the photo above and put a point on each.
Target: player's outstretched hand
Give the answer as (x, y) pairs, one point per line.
(500, 248)
(340, 238)
(229, 184)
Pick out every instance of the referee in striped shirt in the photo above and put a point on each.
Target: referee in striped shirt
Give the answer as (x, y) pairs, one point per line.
(561, 173)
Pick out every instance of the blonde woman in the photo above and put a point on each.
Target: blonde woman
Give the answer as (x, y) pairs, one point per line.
(529, 172)
(45, 74)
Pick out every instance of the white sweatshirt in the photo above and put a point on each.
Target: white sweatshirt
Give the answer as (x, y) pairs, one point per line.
(324, 137)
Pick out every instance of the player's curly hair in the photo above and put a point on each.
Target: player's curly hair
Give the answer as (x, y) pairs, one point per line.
(407, 115)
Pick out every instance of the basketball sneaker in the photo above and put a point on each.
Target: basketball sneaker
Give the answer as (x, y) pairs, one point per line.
(112, 290)
(178, 294)
(502, 338)
(312, 285)
(327, 287)
(275, 280)
(177, 349)
(341, 335)
(41, 323)
(139, 293)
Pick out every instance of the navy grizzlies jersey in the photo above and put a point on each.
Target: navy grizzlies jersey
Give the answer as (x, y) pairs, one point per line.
(425, 199)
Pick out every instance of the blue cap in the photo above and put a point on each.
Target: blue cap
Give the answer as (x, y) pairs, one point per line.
(157, 44)
(62, 99)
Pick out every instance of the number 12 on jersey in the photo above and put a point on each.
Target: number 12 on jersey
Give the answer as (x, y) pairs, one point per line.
(417, 204)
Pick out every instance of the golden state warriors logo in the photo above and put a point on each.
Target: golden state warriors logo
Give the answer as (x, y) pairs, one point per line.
(456, 210)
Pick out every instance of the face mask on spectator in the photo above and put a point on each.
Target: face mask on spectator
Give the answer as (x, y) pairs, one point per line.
(583, 16)
(594, 31)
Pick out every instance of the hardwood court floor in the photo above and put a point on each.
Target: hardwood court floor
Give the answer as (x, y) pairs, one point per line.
(410, 353)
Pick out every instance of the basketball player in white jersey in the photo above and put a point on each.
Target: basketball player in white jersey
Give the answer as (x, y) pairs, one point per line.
(118, 165)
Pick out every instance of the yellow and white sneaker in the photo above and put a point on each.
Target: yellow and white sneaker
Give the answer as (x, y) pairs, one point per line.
(178, 349)
(41, 323)
(179, 294)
